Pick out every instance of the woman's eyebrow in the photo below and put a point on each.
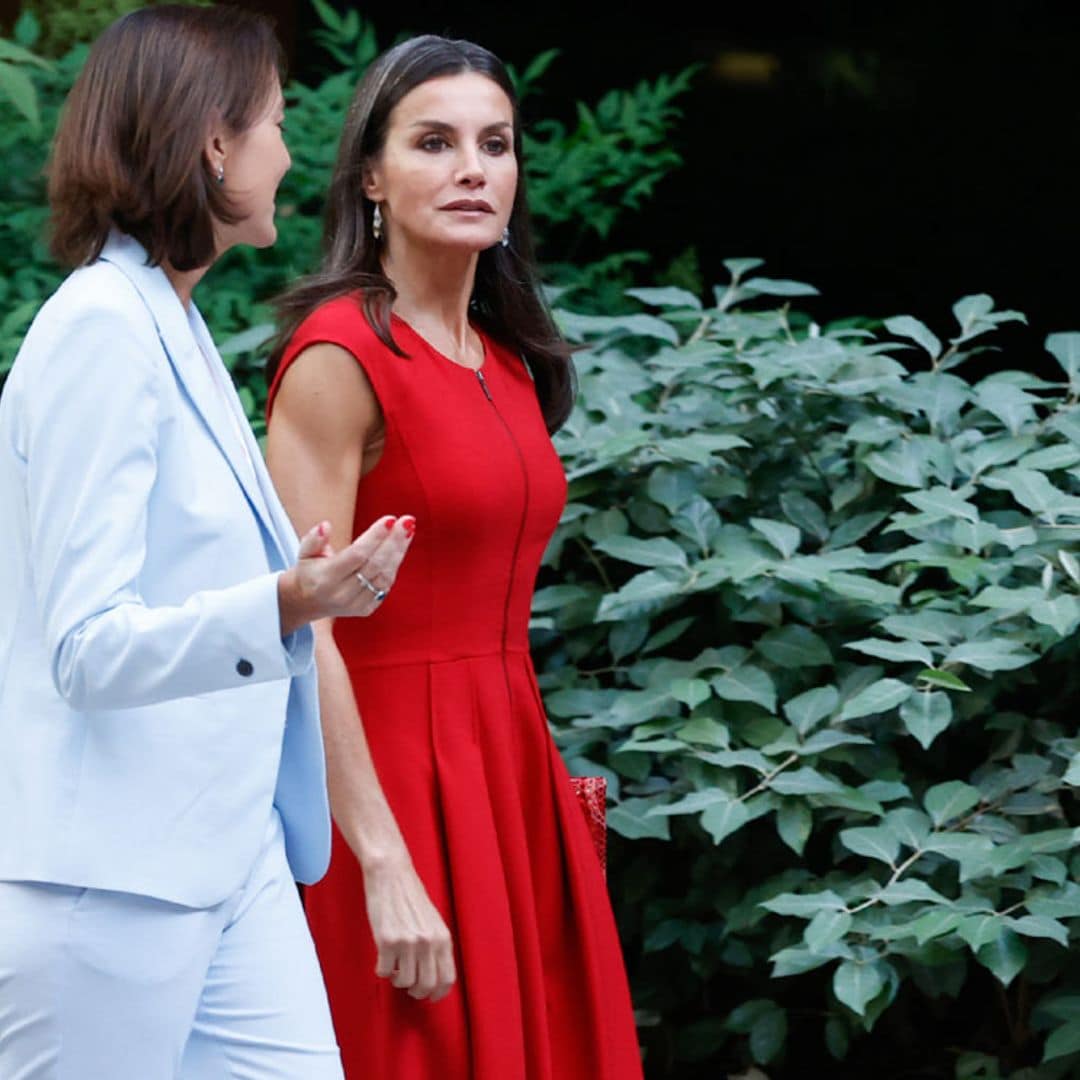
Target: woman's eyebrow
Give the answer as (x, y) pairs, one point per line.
(442, 125)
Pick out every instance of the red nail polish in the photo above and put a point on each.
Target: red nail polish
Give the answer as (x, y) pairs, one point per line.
(388, 524)
(409, 525)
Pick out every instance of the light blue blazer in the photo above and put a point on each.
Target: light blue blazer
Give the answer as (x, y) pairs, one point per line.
(150, 713)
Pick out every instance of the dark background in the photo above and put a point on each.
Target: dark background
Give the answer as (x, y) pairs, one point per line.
(895, 155)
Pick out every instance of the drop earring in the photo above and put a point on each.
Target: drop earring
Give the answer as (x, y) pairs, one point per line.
(376, 222)
(220, 174)
(504, 240)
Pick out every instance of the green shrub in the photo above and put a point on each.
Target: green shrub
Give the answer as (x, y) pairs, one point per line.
(812, 613)
(582, 179)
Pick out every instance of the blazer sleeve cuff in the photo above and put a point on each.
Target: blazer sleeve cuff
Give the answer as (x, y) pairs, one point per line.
(266, 654)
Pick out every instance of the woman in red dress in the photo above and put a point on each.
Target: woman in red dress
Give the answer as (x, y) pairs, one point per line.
(464, 927)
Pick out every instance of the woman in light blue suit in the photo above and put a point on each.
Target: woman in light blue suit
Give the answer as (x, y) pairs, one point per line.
(161, 765)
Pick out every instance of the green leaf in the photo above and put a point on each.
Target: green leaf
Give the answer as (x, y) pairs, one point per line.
(793, 823)
(1041, 926)
(671, 487)
(798, 959)
(1005, 956)
(784, 537)
(967, 849)
(805, 781)
(829, 739)
(1063, 903)
(642, 592)
(656, 552)
(856, 984)
(837, 1037)
(723, 819)
(970, 309)
(950, 800)
(934, 924)
(16, 86)
(738, 267)
(926, 715)
(26, 31)
(626, 637)
(863, 588)
(768, 1035)
(937, 677)
(691, 692)
(630, 818)
(804, 905)
(878, 697)
(979, 930)
(775, 287)
(910, 826)
(1062, 1041)
(578, 327)
(1049, 458)
(667, 634)
(668, 297)
(903, 465)
(248, 340)
(805, 514)
(997, 654)
(1072, 773)
(1034, 492)
(919, 332)
(794, 646)
(911, 891)
(825, 928)
(1061, 614)
(808, 709)
(692, 803)
(746, 683)
(1014, 407)
(899, 651)
(1065, 349)
(940, 502)
(1070, 565)
(554, 597)
(875, 842)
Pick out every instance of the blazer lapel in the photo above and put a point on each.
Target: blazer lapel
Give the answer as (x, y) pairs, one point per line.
(178, 338)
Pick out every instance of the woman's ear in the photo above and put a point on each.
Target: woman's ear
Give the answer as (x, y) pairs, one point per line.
(371, 183)
(214, 152)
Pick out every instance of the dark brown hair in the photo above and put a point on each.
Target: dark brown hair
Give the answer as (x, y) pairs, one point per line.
(128, 152)
(506, 298)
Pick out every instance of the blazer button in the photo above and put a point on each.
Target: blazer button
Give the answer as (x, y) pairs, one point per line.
(243, 667)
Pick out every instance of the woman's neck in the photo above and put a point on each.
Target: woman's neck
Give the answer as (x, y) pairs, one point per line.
(433, 292)
(184, 281)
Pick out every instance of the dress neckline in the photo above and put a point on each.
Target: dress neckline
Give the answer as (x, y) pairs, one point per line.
(484, 367)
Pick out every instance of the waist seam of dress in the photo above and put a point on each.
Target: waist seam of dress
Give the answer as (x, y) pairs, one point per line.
(428, 661)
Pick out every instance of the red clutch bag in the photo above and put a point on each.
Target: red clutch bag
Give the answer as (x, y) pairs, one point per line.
(591, 792)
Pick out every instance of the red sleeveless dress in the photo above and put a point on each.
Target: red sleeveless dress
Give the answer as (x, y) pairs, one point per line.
(445, 685)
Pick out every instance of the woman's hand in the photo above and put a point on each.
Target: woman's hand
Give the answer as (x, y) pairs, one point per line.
(415, 951)
(324, 584)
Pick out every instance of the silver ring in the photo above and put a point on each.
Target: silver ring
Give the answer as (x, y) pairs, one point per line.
(379, 594)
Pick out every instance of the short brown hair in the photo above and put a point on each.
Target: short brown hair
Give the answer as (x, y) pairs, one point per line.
(128, 151)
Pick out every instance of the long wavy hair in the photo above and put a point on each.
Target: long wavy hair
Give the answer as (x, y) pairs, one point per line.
(506, 301)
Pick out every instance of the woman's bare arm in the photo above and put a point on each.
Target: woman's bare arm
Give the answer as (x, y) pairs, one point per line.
(325, 416)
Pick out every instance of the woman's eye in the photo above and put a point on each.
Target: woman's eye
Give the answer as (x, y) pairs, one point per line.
(432, 142)
(496, 146)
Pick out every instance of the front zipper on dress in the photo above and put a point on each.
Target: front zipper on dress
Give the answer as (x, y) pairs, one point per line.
(521, 524)
(484, 387)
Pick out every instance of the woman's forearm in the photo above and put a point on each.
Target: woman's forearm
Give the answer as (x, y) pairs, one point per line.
(357, 801)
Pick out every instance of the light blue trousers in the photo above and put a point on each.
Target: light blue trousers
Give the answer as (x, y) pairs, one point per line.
(98, 985)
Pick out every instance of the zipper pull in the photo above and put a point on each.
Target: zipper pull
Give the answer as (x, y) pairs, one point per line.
(484, 386)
